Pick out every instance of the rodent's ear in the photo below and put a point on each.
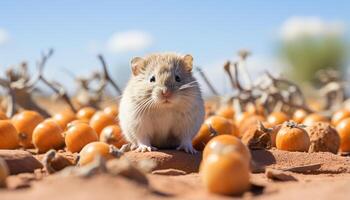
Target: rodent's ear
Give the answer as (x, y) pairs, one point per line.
(137, 64)
(188, 61)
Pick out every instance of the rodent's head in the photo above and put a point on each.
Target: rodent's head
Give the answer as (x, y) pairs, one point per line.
(164, 80)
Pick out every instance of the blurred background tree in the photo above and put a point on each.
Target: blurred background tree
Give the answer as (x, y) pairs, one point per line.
(309, 44)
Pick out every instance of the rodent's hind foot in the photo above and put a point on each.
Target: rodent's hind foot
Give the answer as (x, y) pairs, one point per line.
(188, 148)
(145, 148)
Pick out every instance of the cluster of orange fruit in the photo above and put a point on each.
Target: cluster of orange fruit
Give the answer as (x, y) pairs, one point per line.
(28, 129)
(226, 161)
(223, 121)
(225, 166)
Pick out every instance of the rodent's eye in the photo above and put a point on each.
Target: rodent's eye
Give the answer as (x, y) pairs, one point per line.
(177, 78)
(152, 79)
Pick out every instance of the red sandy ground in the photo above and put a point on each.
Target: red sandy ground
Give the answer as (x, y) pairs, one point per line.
(330, 181)
(176, 177)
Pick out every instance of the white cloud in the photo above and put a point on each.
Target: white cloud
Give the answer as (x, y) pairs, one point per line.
(129, 41)
(296, 27)
(4, 36)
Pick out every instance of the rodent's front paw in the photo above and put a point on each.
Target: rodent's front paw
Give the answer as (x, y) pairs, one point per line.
(188, 148)
(145, 148)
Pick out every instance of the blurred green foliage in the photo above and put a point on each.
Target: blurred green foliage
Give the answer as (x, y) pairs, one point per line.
(307, 55)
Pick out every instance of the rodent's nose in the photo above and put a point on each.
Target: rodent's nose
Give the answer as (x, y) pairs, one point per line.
(166, 93)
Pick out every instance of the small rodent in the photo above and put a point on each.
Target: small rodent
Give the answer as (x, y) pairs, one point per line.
(162, 106)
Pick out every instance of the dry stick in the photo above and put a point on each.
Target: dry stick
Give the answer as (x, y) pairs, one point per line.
(23, 85)
(60, 91)
(227, 69)
(206, 80)
(243, 54)
(40, 65)
(107, 76)
(237, 83)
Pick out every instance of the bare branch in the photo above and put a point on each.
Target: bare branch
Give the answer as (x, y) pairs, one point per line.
(40, 67)
(227, 68)
(107, 76)
(235, 77)
(59, 90)
(206, 80)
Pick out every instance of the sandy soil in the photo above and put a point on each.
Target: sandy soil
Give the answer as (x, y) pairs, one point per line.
(330, 180)
(318, 176)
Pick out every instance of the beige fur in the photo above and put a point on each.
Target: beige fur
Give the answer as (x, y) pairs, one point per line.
(146, 120)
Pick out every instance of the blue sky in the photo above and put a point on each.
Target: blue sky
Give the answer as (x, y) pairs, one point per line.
(210, 30)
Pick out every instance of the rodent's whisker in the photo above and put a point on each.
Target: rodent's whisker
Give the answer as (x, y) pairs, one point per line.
(186, 87)
(141, 107)
(192, 83)
(146, 106)
(149, 106)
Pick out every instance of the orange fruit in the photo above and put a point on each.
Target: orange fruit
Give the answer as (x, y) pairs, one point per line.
(226, 174)
(48, 135)
(64, 117)
(314, 117)
(248, 122)
(235, 130)
(343, 129)
(112, 110)
(8, 135)
(86, 113)
(276, 118)
(291, 137)
(226, 111)
(3, 116)
(339, 116)
(79, 135)
(223, 144)
(74, 122)
(299, 115)
(100, 120)
(91, 150)
(25, 123)
(113, 135)
(214, 125)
